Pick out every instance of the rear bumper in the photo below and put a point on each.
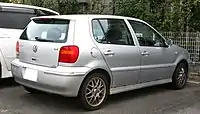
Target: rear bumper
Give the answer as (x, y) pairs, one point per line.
(65, 81)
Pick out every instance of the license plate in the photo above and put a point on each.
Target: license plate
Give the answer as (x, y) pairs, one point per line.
(31, 75)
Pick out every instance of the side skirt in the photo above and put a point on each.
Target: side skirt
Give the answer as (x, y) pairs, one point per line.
(138, 86)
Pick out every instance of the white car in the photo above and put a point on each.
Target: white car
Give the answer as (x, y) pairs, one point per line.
(13, 19)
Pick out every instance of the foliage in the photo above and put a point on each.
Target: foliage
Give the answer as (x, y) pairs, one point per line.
(95, 7)
(195, 17)
(67, 6)
(165, 15)
(62, 6)
(34, 2)
(147, 10)
(4, 1)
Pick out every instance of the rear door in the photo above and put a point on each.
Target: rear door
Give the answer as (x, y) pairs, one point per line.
(41, 41)
(119, 50)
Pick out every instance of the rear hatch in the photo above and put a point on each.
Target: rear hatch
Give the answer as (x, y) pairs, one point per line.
(41, 41)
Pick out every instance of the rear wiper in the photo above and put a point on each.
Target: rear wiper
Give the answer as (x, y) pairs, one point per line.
(43, 40)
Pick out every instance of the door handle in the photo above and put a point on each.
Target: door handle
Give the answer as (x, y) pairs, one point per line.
(109, 52)
(145, 53)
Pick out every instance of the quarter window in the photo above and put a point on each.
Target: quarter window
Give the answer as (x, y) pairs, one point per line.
(146, 35)
(111, 31)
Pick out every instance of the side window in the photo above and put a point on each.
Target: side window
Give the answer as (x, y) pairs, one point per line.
(15, 19)
(111, 31)
(146, 35)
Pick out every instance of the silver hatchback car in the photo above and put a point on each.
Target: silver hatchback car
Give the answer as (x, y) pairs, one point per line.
(93, 56)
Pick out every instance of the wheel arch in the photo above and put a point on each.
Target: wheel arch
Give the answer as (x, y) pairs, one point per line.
(182, 58)
(185, 62)
(98, 70)
(103, 71)
(181, 61)
(174, 83)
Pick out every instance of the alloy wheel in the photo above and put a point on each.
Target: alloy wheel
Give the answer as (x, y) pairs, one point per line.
(95, 91)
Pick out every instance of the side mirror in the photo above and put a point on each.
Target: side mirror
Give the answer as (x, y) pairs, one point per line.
(169, 42)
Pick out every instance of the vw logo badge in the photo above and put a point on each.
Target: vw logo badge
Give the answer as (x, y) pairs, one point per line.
(35, 48)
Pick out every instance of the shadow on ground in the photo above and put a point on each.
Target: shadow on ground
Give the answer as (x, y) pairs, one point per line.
(8, 82)
(56, 102)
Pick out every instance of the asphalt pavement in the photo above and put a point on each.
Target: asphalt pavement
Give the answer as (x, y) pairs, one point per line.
(153, 100)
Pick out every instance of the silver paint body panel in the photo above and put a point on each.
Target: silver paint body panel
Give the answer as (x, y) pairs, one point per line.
(128, 69)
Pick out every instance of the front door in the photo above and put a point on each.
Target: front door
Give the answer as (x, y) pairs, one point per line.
(156, 57)
(116, 45)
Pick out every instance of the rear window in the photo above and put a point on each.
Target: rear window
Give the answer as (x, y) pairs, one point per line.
(18, 18)
(46, 30)
(14, 20)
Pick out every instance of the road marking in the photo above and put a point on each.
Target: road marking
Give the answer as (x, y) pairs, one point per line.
(193, 82)
(3, 110)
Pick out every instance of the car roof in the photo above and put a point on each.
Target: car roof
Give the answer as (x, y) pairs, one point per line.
(26, 6)
(93, 16)
(90, 16)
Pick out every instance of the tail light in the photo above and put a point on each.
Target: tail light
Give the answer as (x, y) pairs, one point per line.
(17, 49)
(68, 54)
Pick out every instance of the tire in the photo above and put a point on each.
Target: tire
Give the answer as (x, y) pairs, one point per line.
(31, 90)
(180, 76)
(94, 95)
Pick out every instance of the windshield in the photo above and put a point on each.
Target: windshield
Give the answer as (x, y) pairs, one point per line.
(46, 30)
